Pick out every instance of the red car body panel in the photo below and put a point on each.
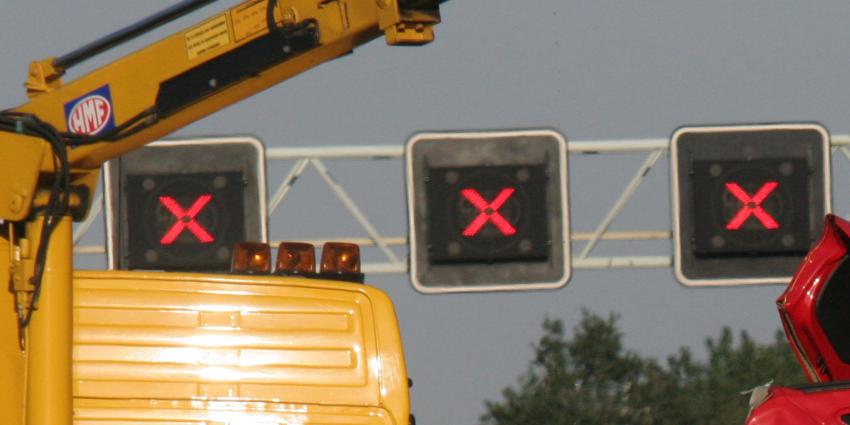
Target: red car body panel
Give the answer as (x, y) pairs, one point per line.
(822, 404)
(815, 308)
(815, 312)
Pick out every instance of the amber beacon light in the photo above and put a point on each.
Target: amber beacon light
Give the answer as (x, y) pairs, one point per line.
(295, 258)
(341, 261)
(251, 258)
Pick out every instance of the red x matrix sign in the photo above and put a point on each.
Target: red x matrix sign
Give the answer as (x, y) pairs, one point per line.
(488, 212)
(182, 204)
(748, 200)
(751, 206)
(185, 220)
(179, 219)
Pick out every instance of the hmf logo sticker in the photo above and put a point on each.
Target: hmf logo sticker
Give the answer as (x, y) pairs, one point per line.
(91, 114)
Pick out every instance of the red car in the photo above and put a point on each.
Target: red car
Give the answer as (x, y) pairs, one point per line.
(815, 312)
(816, 404)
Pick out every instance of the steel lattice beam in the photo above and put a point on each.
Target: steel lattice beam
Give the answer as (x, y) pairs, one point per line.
(315, 156)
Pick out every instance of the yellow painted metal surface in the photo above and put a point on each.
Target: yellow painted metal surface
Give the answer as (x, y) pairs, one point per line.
(134, 80)
(48, 365)
(188, 348)
(219, 412)
(192, 349)
(11, 358)
(20, 160)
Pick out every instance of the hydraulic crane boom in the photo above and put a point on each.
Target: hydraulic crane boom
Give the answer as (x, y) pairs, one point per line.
(222, 60)
(54, 145)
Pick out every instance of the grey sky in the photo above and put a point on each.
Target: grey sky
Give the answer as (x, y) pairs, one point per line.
(601, 69)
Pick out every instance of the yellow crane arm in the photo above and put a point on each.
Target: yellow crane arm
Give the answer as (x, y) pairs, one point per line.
(197, 71)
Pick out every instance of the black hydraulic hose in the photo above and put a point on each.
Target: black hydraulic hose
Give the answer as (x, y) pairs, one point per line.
(128, 33)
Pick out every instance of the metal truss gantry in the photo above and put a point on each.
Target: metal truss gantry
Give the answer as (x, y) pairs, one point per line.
(393, 250)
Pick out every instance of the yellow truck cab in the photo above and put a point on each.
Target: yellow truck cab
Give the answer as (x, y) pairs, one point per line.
(199, 349)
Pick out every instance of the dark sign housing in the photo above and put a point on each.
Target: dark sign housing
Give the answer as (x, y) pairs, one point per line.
(182, 205)
(488, 211)
(748, 201)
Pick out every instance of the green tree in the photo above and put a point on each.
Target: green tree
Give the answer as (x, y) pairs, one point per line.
(592, 379)
(587, 380)
(713, 390)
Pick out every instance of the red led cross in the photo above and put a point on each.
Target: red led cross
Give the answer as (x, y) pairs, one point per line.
(752, 206)
(185, 219)
(488, 212)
